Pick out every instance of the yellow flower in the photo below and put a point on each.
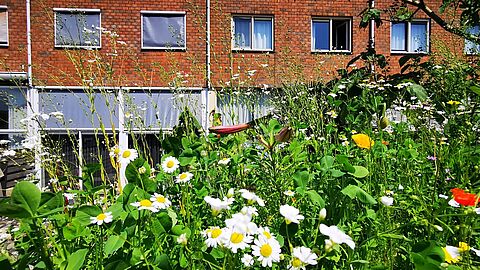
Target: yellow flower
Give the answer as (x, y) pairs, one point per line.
(453, 102)
(452, 254)
(463, 247)
(363, 141)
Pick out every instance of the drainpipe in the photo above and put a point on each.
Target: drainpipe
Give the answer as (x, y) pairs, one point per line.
(33, 104)
(372, 34)
(208, 62)
(122, 136)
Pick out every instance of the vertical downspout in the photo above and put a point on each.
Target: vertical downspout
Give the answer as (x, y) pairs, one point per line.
(208, 61)
(372, 35)
(122, 137)
(33, 103)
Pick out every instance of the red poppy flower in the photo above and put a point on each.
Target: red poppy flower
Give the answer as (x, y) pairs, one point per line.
(464, 198)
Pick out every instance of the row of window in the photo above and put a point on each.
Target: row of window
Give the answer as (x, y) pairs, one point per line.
(167, 30)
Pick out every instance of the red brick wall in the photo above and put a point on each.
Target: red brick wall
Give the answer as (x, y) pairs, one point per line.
(14, 57)
(291, 59)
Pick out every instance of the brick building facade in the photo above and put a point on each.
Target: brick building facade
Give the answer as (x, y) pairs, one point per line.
(89, 53)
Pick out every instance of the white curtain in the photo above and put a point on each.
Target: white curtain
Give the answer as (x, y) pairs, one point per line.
(418, 39)
(397, 40)
(242, 28)
(3, 27)
(262, 34)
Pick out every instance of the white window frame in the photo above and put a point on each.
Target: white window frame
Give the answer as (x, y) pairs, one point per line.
(252, 29)
(408, 37)
(150, 12)
(77, 10)
(5, 8)
(465, 45)
(330, 23)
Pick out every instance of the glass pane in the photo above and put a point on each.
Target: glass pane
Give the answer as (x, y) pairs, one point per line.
(237, 109)
(340, 35)
(77, 29)
(262, 38)
(158, 109)
(321, 35)
(242, 28)
(163, 30)
(397, 37)
(3, 27)
(13, 108)
(418, 38)
(80, 110)
(470, 47)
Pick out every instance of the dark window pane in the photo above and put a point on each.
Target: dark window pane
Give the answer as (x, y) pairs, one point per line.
(321, 35)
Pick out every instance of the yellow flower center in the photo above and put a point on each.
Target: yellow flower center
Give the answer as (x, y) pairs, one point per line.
(216, 233)
(126, 154)
(296, 263)
(161, 199)
(183, 176)
(170, 164)
(145, 203)
(266, 250)
(101, 216)
(116, 151)
(267, 234)
(236, 238)
(463, 247)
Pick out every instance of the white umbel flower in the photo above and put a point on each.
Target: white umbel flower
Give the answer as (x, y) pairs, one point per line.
(184, 177)
(336, 235)
(266, 251)
(102, 218)
(301, 257)
(170, 164)
(291, 214)
(160, 202)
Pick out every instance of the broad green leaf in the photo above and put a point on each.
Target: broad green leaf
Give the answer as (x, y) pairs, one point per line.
(85, 212)
(418, 91)
(50, 202)
(360, 172)
(326, 162)
(301, 179)
(356, 192)
(337, 173)
(180, 229)
(316, 198)
(27, 196)
(76, 259)
(217, 253)
(427, 256)
(183, 260)
(163, 262)
(186, 157)
(475, 89)
(114, 242)
(12, 210)
(165, 220)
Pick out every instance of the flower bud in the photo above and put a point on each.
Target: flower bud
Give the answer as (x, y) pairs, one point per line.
(322, 215)
(284, 135)
(384, 122)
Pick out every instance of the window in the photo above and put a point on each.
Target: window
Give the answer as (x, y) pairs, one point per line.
(3, 26)
(163, 30)
(252, 33)
(77, 28)
(471, 47)
(331, 35)
(410, 37)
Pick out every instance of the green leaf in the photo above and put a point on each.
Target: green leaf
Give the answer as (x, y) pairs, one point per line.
(426, 255)
(85, 212)
(360, 172)
(475, 89)
(165, 220)
(163, 262)
(217, 253)
(186, 158)
(337, 173)
(183, 260)
(114, 242)
(12, 210)
(301, 179)
(27, 196)
(180, 229)
(326, 162)
(50, 202)
(76, 259)
(418, 91)
(316, 198)
(356, 192)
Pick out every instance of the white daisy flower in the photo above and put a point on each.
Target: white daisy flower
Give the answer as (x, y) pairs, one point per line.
(217, 205)
(289, 193)
(102, 218)
(145, 205)
(128, 155)
(114, 152)
(184, 177)
(301, 257)
(452, 254)
(453, 203)
(247, 260)
(230, 193)
(266, 251)
(251, 197)
(160, 202)
(170, 164)
(214, 236)
(265, 232)
(336, 235)
(242, 223)
(386, 200)
(224, 161)
(291, 214)
(236, 240)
